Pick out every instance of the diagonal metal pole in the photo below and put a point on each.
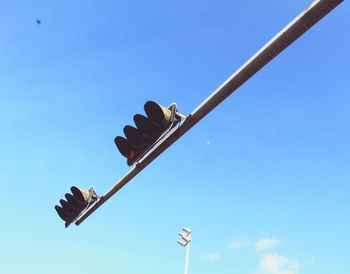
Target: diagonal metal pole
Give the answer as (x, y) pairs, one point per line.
(302, 23)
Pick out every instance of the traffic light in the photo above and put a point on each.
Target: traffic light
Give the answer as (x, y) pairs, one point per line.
(75, 203)
(138, 140)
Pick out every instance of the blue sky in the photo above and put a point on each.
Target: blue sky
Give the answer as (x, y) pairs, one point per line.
(263, 180)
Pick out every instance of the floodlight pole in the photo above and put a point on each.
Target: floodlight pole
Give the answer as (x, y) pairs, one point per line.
(185, 241)
(302, 23)
(187, 257)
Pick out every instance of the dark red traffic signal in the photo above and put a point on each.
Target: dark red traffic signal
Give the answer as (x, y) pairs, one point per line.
(149, 129)
(75, 203)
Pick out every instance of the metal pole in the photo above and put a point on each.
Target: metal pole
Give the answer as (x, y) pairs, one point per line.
(303, 22)
(187, 257)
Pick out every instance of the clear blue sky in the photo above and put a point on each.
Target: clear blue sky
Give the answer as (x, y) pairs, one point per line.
(263, 180)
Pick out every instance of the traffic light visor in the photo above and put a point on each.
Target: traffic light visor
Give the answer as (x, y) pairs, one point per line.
(157, 113)
(124, 147)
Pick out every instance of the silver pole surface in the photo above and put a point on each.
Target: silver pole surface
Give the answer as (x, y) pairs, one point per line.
(187, 257)
(302, 23)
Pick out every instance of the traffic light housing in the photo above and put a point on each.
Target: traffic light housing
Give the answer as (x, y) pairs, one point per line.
(149, 129)
(76, 202)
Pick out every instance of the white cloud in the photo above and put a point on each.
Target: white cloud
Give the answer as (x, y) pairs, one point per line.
(270, 263)
(266, 243)
(237, 244)
(277, 264)
(211, 257)
(207, 142)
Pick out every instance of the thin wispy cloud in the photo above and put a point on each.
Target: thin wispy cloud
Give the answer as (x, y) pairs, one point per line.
(238, 244)
(277, 264)
(211, 257)
(269, 263)
(266, 243)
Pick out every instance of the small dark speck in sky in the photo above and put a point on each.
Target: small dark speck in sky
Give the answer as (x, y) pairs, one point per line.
(38, 21)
